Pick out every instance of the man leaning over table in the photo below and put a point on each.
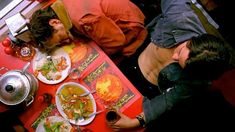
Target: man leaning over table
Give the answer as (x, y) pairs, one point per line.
(178, 64)
(116, 26)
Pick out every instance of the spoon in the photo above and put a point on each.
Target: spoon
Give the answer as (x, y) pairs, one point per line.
(82, 118)
(49, 58)
(87, 93)
(95, 113)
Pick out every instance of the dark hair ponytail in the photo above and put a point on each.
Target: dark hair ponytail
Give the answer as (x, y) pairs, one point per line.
(208, 57)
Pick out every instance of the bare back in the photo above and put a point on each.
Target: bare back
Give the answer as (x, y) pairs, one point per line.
(152, 60)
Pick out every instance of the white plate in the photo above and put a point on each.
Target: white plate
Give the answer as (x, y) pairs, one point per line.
(60, 109)
(57, 53)
(54, 119)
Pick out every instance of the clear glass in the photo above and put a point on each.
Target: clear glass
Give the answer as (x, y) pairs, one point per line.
(74, 74)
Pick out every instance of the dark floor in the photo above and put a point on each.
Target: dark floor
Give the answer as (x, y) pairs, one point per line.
(227, 27)
(150, 8)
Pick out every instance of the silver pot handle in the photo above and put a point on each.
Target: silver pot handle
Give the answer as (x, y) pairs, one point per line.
(29, 101)
(3, 68)
(26, 67)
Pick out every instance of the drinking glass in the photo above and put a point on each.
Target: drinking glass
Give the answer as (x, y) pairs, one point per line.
(111, 115)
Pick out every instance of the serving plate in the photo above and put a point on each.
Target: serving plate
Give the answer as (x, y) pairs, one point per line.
(52, 120)
(41, 58)
(61, 106)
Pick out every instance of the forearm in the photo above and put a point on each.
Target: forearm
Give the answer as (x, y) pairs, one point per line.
(124, 122)
(155, 107)
(134, 123)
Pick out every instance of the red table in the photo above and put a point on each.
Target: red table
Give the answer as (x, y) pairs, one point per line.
(92, 62)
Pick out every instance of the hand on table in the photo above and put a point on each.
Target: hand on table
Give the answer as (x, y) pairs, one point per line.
(124, 122)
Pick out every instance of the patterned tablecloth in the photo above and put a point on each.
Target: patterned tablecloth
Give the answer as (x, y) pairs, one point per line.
(95, 69)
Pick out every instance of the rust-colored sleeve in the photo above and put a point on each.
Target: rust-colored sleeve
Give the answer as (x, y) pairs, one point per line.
(103, 31)
(123, 38)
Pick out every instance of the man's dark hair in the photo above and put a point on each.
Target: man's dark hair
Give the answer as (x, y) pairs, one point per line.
(39, 25)
(208, 57)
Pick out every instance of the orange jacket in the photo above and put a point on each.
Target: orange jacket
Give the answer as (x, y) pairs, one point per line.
(117, 26)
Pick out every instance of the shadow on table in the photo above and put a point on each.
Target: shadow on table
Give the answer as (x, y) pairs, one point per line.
(9, 121)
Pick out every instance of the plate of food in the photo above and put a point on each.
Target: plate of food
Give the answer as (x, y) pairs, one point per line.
(75, 103)
(54, 124)
(51, 68)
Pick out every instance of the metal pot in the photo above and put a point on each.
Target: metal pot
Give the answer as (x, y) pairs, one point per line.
(18, 87)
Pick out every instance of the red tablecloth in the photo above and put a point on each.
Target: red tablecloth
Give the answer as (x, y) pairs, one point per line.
(92, 63)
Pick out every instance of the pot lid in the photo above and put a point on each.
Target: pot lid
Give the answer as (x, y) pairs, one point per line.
(14, 87)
